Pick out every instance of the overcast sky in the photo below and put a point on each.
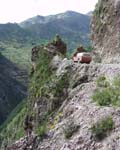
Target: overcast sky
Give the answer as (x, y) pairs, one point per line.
(19, 10)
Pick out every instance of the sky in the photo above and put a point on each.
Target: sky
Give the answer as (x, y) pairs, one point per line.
(20, 10)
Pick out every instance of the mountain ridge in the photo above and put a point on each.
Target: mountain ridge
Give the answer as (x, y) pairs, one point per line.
(72, 26)
(51, 17)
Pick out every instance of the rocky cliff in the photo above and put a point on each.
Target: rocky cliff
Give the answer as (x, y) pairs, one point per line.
(74, 106)
(105, 30)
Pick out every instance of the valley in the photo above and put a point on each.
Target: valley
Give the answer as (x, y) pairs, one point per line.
(61, 103)
(13, 87)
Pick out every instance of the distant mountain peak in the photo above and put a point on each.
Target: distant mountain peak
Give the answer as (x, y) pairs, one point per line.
(35, 20)
(70, 12)
(39, 17)
(44, 19)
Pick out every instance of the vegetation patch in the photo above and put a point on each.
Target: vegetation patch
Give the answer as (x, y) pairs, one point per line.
(98, 8)
(41, 130)
(89, 48)
(109, 94)
(56, 120)
(45, 84)
(70, 128)
(60, 85)
(17, 53)
(14, 124)
(100, 11)
(102, 82)
(42, 127)
(42, 74)
(101, 129)
(103, 97)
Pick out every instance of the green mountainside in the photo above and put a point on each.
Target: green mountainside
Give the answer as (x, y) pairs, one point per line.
(72, 26)
(16, 40)
(14, 43)
(12, 87)
(11, 32)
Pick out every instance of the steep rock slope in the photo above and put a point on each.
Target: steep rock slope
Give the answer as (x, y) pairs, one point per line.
(15, 44)
(61, 103)
(12, 87)
(105, 30)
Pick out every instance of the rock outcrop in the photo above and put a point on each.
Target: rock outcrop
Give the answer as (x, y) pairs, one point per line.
(77, 106)
(23, 143)
(56, 48)
(60, 100)
(105, 31)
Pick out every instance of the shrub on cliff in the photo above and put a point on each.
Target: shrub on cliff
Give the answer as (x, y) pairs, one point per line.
(70, 128)
(101, 129)
(109, 94)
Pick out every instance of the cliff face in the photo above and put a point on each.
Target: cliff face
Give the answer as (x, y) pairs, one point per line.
(105, 30)
(61, 103)
(68, 124)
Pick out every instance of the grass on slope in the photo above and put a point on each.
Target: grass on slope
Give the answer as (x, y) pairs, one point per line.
(12, 128)
(107, 93)
(18, 54)
(101, 129)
